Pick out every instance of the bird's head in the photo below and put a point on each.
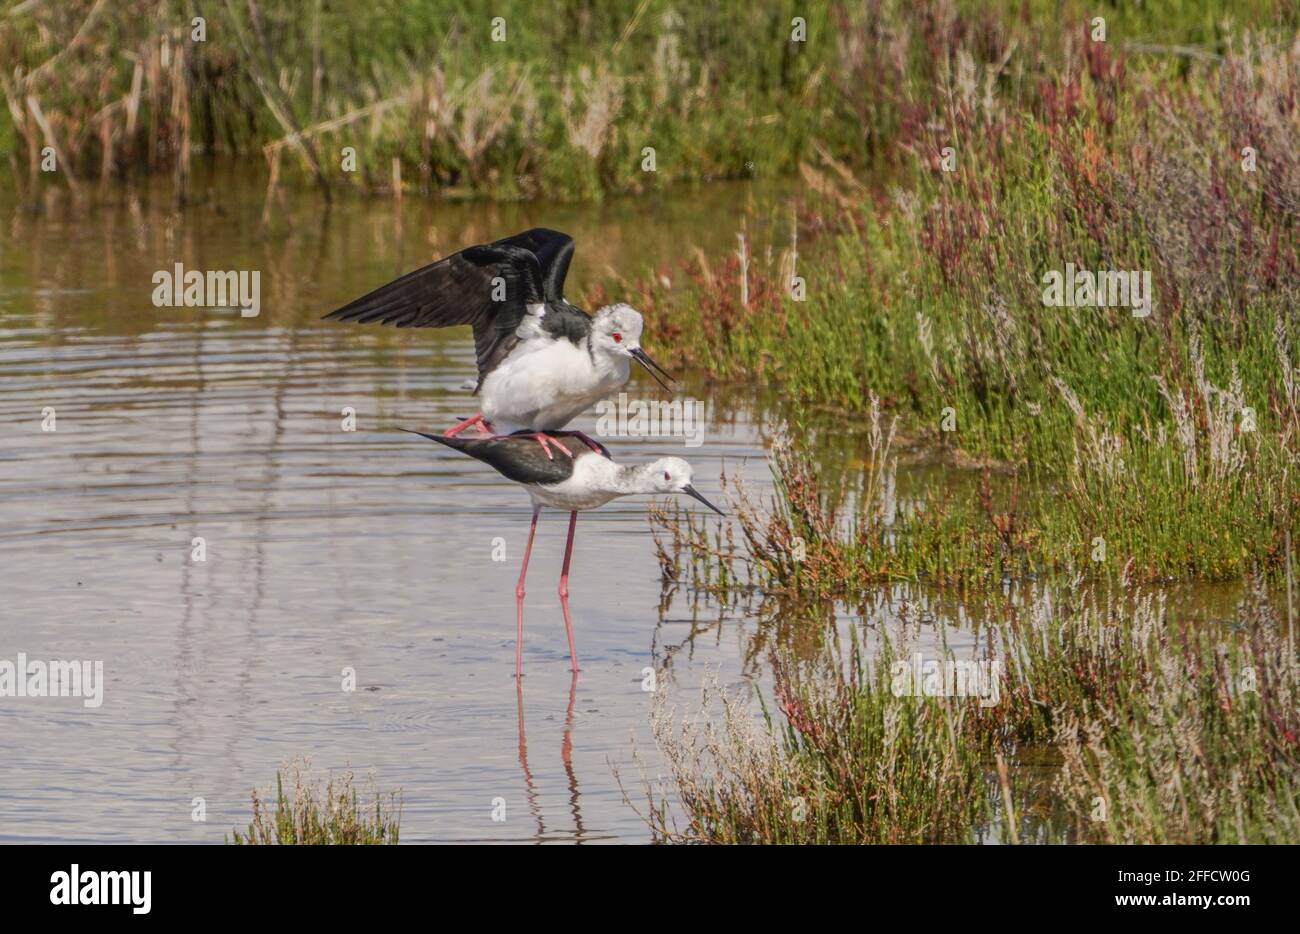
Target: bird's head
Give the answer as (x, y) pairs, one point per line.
(616, 330)
(674, 475)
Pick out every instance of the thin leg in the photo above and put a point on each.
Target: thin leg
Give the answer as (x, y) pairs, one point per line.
(478, 421)
(564, 592)
(519, 598)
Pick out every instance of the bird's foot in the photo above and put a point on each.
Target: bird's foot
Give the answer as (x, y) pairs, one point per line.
(546, 442)
(592, 443)
(478, 421)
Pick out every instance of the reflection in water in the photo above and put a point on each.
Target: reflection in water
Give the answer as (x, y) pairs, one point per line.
(579, 832)
(566, 756)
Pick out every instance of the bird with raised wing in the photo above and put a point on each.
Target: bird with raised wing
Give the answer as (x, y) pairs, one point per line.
(541, 360)
(575, 482)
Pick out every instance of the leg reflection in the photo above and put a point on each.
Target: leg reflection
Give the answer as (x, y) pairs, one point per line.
(530, 786)
(566, 757)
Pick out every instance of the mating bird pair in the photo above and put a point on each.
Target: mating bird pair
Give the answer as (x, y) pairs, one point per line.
(541, 362)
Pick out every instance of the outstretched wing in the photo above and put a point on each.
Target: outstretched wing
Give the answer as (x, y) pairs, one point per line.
(487, 287)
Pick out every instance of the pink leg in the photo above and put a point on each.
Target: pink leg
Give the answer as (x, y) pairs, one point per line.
(547, 442)
(519, 598)
(564, 592)
(478, 421)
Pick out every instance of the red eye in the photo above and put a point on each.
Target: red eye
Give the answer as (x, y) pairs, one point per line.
(666, 477)
(618, 338)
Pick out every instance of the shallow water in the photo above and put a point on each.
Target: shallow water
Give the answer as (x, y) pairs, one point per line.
(326, 549)
(329, 549)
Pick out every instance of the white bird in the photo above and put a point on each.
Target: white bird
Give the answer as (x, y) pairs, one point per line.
(541, 360)
(586, 480)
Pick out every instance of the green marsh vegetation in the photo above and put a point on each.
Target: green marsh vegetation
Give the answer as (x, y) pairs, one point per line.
(1166, 443)
(1116, 722)
(309, 814)
(435, 96)
(1105, 453)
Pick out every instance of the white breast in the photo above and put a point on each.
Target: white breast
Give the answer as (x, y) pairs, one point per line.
(545, 383)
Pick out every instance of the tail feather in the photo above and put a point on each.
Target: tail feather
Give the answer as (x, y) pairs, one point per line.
(454, 442)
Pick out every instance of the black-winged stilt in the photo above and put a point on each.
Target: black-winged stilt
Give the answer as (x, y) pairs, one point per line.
(541, 360)
(585, 480)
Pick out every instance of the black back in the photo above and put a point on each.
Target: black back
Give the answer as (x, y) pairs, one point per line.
(520, 457)
(459, 290)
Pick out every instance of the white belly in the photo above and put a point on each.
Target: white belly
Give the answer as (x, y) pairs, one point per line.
(543, 387)
(558, 497)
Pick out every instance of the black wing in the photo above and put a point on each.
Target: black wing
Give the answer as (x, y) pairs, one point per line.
(554, 252)
(520, 459)
(463, 289)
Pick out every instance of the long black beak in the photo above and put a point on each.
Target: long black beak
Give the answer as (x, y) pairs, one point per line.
(695, 494)
(654, 369)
